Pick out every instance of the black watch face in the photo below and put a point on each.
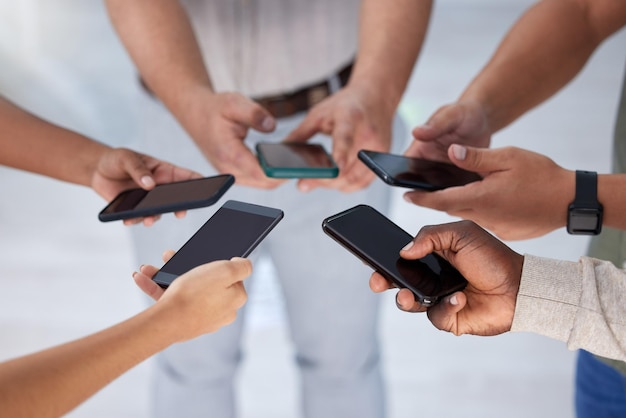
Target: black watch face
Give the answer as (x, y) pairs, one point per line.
(584, 221)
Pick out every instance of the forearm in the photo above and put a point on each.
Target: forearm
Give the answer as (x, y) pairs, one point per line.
(544, 50)
(581, 304)
(52, 382)
(160, 40)
(390, 38)
(32, 144)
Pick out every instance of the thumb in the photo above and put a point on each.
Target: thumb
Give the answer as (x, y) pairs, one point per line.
(245, 111)
(475, 159)
(134, 165)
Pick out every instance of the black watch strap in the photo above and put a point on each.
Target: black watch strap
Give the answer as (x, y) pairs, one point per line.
(585, 212)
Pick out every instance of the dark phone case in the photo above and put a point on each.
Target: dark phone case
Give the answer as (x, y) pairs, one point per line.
(103, 216)
(448, 282)
(164, 279)
(295, 172)
(462, 176)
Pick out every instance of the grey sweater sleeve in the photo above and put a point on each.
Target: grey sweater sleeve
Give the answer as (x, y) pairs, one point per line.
(582, 304)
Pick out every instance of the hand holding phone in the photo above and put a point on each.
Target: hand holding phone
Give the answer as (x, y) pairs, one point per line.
(415, 173)
(233, 231)
(377, 241)
(168, 197)
(296, 160)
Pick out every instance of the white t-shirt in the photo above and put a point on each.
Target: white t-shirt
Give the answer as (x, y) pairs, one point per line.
(269, 47)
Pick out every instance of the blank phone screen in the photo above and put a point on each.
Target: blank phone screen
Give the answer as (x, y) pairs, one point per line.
(230, 232)
(378, 241)
(296, 155)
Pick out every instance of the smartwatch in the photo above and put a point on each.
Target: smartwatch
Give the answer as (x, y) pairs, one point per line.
(584, 214)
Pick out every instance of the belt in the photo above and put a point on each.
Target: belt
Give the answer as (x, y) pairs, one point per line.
(301, 100)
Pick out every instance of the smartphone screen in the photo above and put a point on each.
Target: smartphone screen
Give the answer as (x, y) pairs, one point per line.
(233, 231)
(416, 173)
(296, 160)
(377, 241)
(169, 197)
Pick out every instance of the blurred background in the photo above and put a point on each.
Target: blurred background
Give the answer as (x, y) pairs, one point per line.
(64, 274)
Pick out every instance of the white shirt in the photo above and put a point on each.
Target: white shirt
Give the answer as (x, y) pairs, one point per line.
(269, 47)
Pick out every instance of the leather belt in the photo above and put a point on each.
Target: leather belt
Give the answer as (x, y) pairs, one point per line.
(301, 100)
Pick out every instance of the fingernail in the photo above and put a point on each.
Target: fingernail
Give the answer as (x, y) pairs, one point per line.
(407, 198)
(453, 301)
(268, 123)
(459, 151)
(134, 274)
(147, 181)
(408, 246)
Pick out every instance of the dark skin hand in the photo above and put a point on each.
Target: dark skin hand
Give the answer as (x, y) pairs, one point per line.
(486, 306)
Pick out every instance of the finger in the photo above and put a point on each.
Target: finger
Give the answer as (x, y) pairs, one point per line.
(445, 120)
(148, 286)
(342, 135)
(135, 166)
(405, 300)
(167, 254)
(180, 214)
(448, 200)
(480, 160)
(444, 315)
(311, 125)
(242, 110)
(378, 283)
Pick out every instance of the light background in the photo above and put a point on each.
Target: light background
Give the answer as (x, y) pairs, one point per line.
(65, 275)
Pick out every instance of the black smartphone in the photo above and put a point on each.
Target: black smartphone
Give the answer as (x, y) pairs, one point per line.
(416, 173)
(169, 197)
(234, 230)
(295, 160)
(377, 241)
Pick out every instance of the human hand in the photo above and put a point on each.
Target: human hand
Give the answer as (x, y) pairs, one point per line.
(202, 300)
(457, 123)
(119, 169)
(355, 119)
(522, 194)
(493, 271)
(219, 123)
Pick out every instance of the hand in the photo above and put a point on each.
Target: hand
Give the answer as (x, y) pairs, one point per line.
(457, 123)
(486, 306)
(202, 300)
(219, 123)
(120, 169)
(522, 194)
(355, 120)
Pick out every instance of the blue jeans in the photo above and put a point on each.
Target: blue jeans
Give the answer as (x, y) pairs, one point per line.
(600, 389)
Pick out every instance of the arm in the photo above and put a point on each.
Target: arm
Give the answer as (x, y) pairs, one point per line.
(52, 382)
(160, 39)
(360, 115)
(543, 51)
(581, 304)
(578, 303)
(32, 144)
(514, 200)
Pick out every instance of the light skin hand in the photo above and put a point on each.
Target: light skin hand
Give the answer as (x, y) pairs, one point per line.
(355, 120)
(522, 194)
(204, 299)
(486, 306)
(219, 123)
(120, 169)
(463, 122)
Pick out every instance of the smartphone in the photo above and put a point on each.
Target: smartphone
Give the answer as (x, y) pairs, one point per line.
(377, 241)
(416, 173)
(169, 197)
(234, 230)
(296, 160)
